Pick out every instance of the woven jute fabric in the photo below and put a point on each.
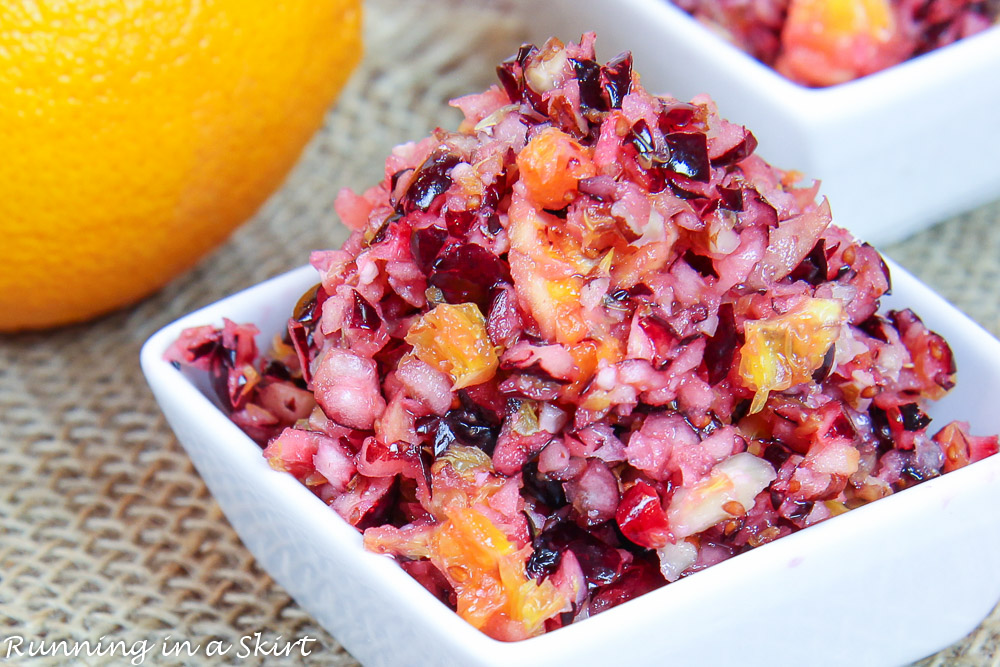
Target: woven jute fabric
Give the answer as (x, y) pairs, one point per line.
(107, 532)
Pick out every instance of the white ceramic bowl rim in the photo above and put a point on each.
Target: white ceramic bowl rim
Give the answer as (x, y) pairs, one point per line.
(865, 90)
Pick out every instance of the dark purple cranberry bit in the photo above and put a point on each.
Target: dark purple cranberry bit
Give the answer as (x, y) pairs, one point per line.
(534, 107)
(776, 498)
(228, 380)
(701, 264)
(675, 115)
(881, 428)
(363, 314)
(426, 243)
(741, 410)
(813, 269)
(511, 72)
(705, 206)
(641, 576)
(509, 80)
(305, 308)
(823, 372)
(493, 224)
(459, 223)
(438, 431)
(219, 376)
(467, 273)
(649, 154)
(388, 357)
(739, 152)
(874, 327)
(524, 52)
(600, 562)
(207, 349)
(640, 290)
(616, 79)
(398, 186)
(588, 76)
(776, 454)
(549, 492)
(275, 370)
(543, 562)
(731, 198)
(841, 426)
(642, 137)
(378, 514)
(470, 425)
(433, 178)
(914, 419)
(689, 155)
(494, 193)
(539, 109)
(796, 510)
(720, 348)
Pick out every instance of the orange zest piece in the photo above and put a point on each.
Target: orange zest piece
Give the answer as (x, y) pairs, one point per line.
(453, 339)
(488, 574)
(786, 350)
(551, 165)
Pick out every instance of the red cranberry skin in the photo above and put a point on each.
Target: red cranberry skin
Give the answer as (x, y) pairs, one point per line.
(641, 518)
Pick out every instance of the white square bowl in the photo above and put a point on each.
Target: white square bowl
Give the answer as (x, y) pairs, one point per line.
(896, 151)
(884, 584)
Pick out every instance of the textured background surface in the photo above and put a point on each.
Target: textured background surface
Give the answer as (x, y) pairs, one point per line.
(106, 529)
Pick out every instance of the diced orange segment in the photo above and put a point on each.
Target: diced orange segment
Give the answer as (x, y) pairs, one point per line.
(453, 339)
(837, 18)
(488, 574)
(826, 42)
(786, 350)
(551, 166)
(556, 307)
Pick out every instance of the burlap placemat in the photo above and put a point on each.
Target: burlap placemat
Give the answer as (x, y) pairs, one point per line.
(106, 531)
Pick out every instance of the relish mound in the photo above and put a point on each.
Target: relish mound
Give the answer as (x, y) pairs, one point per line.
(586, 345)
(826, 42)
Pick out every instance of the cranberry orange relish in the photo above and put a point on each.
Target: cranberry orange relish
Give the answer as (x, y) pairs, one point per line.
(586, 345)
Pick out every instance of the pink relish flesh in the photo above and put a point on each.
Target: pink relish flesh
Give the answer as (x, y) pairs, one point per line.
(587, 344)
(826, 42)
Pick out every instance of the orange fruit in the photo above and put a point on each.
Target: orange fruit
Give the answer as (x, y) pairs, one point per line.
(135, 136)
(826, 42)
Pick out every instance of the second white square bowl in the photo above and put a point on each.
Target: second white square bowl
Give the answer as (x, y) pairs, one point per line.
(896, 151)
